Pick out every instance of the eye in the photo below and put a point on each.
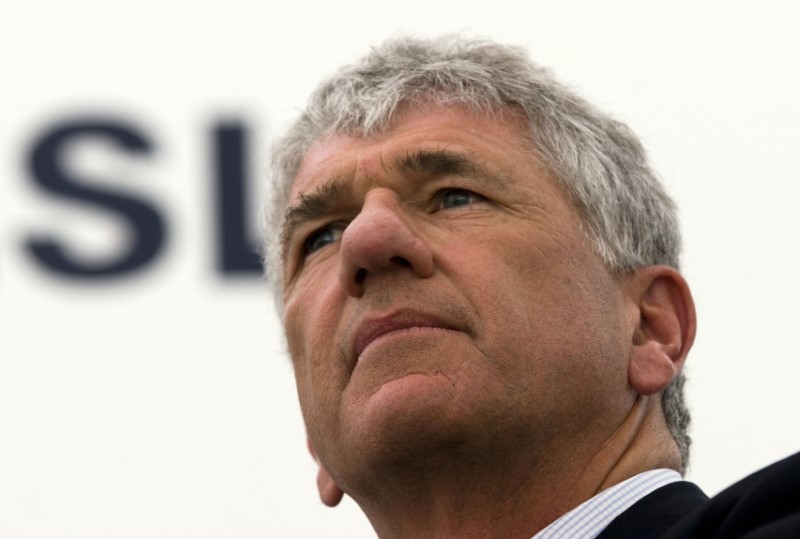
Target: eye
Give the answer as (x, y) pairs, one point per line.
(454, 198)
(322, 237)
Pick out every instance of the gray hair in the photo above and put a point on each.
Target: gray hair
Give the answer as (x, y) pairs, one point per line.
(598, 161)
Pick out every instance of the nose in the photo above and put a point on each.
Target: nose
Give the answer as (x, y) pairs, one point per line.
(380, 239)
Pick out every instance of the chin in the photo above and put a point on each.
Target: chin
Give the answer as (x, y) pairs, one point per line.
(408, 418)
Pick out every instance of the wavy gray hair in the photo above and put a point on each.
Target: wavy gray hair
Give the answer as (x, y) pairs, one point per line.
(598, 161)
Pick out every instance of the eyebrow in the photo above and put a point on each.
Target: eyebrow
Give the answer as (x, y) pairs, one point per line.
(432, 163)
(437, 163)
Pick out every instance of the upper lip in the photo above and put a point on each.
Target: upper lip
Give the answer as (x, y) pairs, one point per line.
(373, 328)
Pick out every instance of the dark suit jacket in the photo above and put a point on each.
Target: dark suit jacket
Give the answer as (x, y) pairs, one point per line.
(764, 505)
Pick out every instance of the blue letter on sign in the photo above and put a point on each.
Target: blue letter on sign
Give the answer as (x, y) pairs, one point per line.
(49, 173)
(236, 255)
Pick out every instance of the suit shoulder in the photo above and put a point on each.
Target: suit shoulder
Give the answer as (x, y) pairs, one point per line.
(763, 504)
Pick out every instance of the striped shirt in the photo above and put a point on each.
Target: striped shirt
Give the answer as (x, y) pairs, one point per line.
(591, 517)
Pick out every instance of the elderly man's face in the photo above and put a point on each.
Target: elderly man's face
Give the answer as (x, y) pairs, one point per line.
(441, 296)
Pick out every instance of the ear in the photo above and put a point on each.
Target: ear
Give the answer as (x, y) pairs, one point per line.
(329, 491)
(665, 330)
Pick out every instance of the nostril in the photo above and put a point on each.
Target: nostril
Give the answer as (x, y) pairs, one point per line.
(401, 261)
(361, 274)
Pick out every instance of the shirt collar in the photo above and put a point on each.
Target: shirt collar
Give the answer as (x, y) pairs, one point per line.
(592, 516)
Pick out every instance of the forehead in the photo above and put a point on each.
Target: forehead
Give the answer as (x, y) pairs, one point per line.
(487, 137)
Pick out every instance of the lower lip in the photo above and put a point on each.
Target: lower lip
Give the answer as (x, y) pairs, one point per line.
(416, 331)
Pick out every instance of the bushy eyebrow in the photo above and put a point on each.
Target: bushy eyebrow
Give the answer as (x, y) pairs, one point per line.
(431, 163)
(437, 163)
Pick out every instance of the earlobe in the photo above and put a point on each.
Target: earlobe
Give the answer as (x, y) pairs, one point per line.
(650, 369)
(329, 491)
(665, 329)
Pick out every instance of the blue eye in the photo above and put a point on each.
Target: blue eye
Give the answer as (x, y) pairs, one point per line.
(321, 237)
(453, 198)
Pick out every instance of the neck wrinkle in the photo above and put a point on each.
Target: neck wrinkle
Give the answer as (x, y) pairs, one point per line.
(641, 443)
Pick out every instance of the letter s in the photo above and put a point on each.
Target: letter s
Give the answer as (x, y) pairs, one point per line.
(49, 173)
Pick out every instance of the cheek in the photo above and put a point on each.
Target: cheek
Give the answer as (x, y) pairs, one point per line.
(554, 299)
(312, 319)
(311, 339)
(311, 310)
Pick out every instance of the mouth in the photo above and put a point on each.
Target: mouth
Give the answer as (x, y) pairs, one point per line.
(372, 331)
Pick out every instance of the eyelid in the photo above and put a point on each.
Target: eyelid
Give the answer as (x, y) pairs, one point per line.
(335, 226)
(440, 194)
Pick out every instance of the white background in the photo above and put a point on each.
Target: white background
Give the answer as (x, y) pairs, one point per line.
(163, 406)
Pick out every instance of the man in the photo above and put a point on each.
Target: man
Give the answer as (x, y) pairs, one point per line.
(478, 276)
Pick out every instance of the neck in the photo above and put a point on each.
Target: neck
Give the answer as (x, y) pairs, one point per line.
(514, 495)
